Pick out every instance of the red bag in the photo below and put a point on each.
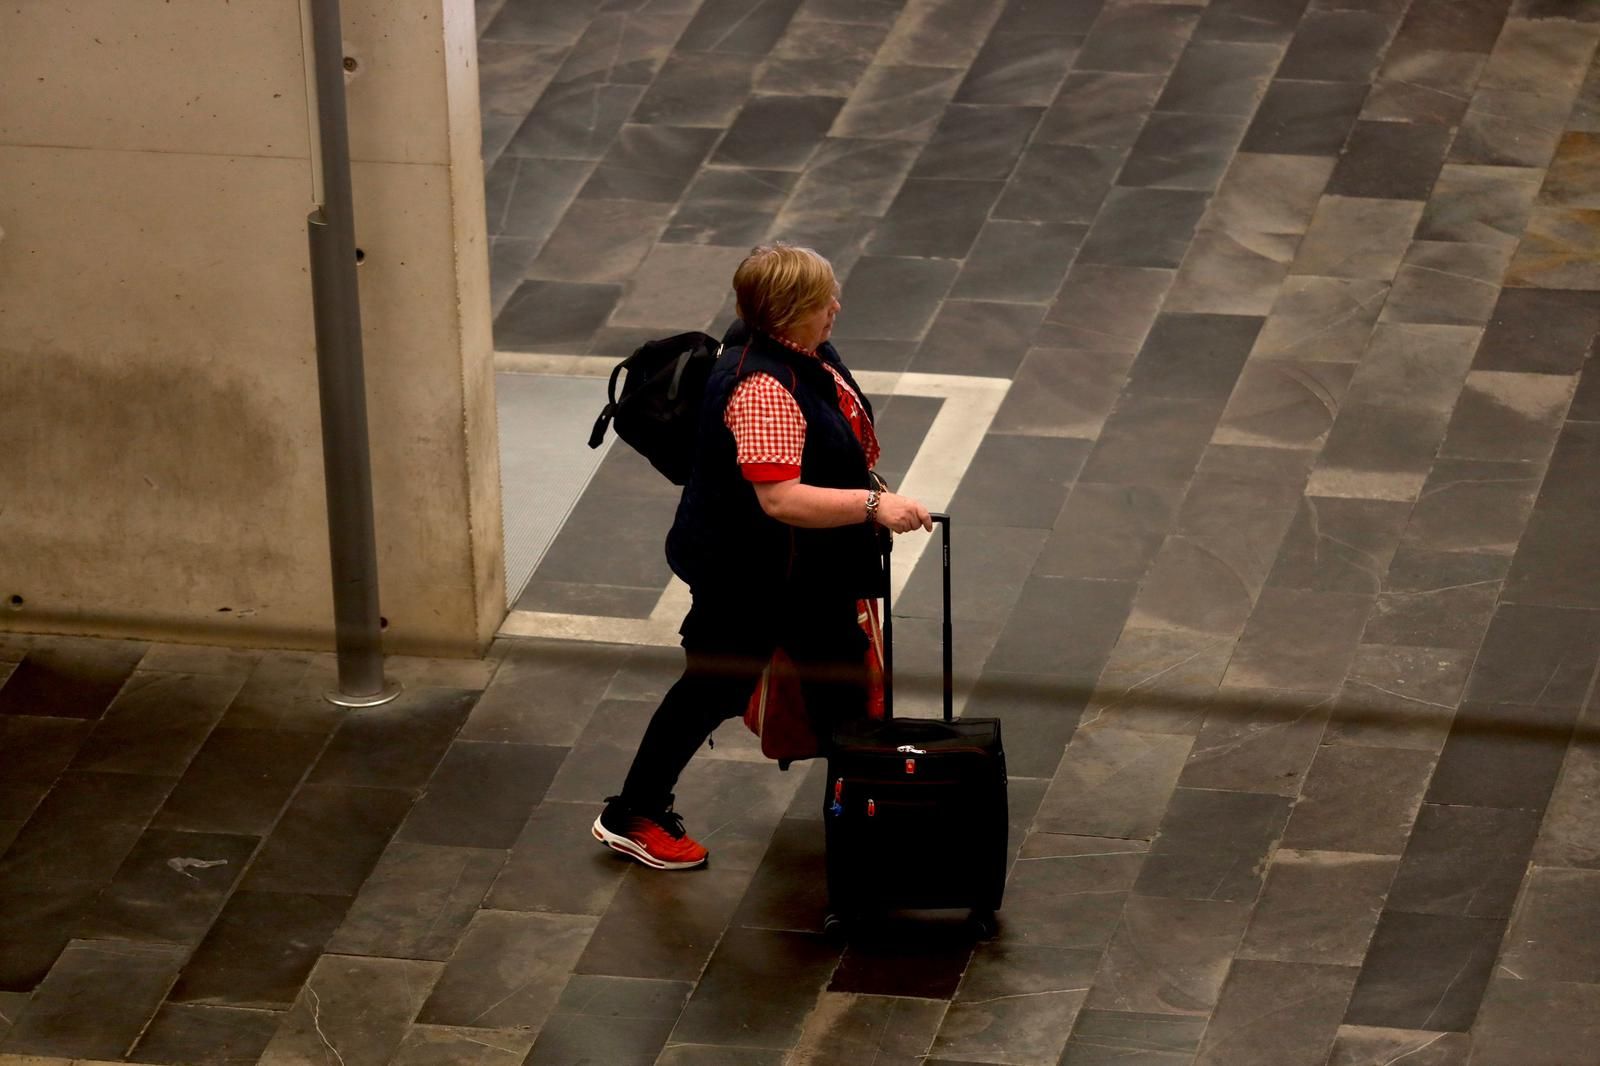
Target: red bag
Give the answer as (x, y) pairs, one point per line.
(777, 712)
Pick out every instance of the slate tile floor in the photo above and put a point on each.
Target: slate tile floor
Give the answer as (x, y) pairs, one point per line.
(1278, 561)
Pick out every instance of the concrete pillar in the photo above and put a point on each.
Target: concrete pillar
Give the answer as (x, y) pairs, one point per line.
(160, 459)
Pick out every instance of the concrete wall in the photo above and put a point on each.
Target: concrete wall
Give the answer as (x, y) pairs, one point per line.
(160, 450)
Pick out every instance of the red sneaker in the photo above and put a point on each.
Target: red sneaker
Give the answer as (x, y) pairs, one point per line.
(656, 839)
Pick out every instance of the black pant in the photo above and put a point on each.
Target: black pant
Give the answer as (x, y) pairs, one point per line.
(725, 650)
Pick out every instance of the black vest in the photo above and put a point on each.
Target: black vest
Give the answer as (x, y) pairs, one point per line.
(722, 543)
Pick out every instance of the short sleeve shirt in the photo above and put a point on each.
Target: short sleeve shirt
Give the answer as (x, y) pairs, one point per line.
(769, 428)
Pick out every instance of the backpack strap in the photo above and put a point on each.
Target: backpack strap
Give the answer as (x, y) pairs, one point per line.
(598, 434)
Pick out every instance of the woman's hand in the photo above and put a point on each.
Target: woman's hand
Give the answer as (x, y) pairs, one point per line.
(902, 514)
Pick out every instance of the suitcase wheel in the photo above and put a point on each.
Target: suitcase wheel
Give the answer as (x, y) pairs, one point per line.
(834, 925)
(985, 924)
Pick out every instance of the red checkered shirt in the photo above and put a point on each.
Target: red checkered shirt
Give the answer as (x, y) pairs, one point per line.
(770, 429)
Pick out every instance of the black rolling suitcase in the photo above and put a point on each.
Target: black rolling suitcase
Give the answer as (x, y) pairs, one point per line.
(915, 808)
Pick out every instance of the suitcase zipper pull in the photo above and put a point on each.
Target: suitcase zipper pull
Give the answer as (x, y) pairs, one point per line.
(872, 808)
(836, 808)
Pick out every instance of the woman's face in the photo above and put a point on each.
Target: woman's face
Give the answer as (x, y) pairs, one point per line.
(815, 326)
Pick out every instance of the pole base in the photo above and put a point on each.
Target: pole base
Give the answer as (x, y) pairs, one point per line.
(390, 690)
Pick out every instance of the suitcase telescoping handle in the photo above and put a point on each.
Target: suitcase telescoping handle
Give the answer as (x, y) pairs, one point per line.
(945, 632)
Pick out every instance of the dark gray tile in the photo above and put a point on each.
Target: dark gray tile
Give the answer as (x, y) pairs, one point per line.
(1553, 565)
(1020, 67)
(1040, 713)
(1507, 128)
(1219, 78)
(1182, 151)
(1343, 46)
(1193, 356)
(543, 691)
(1127, 1038)
(1059, 183)
(1400, 697)
(697, 90)
(156, 723)
(897, 103)
(284, 695)
(855, 176)
(554, 316)
(979, 338)
(355, 1007)
(530, 882)
(96, 1000)
(206, 1036)
(396, 745)
(1276, 1012)
(37, 918)
(1465, 861)
(1536, 655)
(69, 678)
(1016, 1001)
(239, 781)
(33, 751)
(1340, 545)
(1541, 944)
(481, 794)
(1298, 640)
(84, 827)
(1359, 799)
(552, 22)
(328, 839)
(941, 33)
(1143, 228)
(1540, 331)
(740, 27)
(509, 260)
(976, 143)
(1063, 627)
(996, 559)
(512, 74)
(508, 970)
(1304, 118)
(1425, 87)
(1284, 403)
(630, 939)
(1137, 38)
(170, 887)
(1479, 204)
(600, 543)
(1108, 531)
(1425, 971)
(820, 58)
(1100, 109)
(1059, 392)
(1019, 482)
(851, 1028)
(1212, 845)
(1436, 599)
(1169, 956)
(1537, 1023)
(1105, 309)
(893, 298)
(1390, 161)
(1502, 755)
(574, 121)
(1048, 16)
(1446, 284)
(1250, 20)
(417, 902)
(777, 132)
(651, 163)
(785, 892)
(757, 989)
(1318, 907)
(1450, 25)
(260, 949)
(1256, 740)
(924, 960)
(1023, 262)
(1151, 440)
(1469, 505)
(934, 218)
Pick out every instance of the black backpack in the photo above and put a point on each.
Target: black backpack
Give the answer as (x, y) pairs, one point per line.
(658, 413)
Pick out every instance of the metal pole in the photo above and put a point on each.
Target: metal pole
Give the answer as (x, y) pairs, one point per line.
(341, 384)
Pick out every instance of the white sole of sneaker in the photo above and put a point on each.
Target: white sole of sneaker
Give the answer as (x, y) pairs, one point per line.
(634, 851)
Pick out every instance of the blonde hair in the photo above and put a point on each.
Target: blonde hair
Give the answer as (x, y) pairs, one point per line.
(778, 284)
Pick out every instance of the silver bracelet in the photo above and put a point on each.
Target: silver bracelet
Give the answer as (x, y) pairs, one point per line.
(872, 504)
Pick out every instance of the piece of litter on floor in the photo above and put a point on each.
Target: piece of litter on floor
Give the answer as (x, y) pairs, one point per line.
(184, 865)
